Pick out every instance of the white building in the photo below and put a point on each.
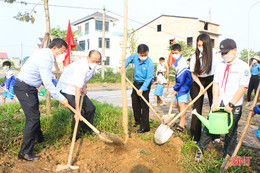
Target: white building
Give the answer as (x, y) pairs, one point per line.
(159, 33)
(90, 37)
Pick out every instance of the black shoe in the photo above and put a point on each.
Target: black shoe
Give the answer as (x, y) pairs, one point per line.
(28, 157)
(142, 131)
(135, 125)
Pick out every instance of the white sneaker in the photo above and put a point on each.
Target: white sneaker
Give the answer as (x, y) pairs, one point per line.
(217, 140)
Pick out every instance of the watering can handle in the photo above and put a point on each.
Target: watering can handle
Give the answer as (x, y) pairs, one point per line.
(231, 120)
(218, 108)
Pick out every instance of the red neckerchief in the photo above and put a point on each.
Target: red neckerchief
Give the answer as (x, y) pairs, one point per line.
(226, 74)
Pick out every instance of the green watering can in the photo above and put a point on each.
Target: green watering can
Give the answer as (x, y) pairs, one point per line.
(217, 122)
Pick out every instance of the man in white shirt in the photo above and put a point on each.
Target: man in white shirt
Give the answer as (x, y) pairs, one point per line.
(73, 84)
(231, 79)
(35, 72)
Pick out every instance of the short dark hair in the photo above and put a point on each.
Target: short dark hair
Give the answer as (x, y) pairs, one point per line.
(161, 58)
(7, 63)
(142, 48)
(176, 47)
(93, 51)
(58, 42)
(188, 59)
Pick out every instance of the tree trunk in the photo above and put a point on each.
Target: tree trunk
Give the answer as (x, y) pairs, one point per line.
(103, 45)
(123, 82)
(48, 30)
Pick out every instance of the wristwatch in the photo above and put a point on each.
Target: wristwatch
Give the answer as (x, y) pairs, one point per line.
(231, 105)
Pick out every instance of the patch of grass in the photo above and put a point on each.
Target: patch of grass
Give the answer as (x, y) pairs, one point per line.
(56, 127)
(212, 159)
(142, 151)
(146, 136)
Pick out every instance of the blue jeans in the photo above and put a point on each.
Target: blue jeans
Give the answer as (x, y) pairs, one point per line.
(230, 137)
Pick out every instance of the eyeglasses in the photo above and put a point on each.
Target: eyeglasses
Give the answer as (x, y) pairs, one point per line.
(62, 52)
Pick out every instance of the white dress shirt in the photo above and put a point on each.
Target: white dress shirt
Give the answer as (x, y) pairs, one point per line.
(216, 58)
(37, 70)
(75, 75)
(238, 76)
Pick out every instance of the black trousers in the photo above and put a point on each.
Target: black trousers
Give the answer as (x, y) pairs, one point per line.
(28, 98)
(253, 84)
(140, 108)
(230, 137)
(195, 89)
(88, 112)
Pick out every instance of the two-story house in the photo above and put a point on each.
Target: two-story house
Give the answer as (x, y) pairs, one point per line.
(90, 37)
(159, 33)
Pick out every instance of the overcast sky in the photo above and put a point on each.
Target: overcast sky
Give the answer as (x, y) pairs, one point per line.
(232, 15)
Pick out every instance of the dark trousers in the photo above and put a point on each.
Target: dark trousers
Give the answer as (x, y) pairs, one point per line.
(28, 98)
(88, 112)
(195, 128)
(253, 84)
(230, 137)
(140, 108)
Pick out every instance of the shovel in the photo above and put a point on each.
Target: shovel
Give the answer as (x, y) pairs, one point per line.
(170, 116)
(164, 132)
(104, 136)
(61, 167)
(158, 116)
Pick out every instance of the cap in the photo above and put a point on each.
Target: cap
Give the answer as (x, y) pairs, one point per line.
(256, 58)
(227, 45)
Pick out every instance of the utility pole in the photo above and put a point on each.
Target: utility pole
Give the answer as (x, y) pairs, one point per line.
(21, 54)
(103, 44)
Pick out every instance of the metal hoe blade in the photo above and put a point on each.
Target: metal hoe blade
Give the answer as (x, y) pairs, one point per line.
(162, 134)
(62, 167)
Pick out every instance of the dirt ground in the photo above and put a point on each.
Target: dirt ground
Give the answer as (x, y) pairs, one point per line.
(136, 156)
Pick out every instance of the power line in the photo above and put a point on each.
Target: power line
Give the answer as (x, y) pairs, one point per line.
(86, 8)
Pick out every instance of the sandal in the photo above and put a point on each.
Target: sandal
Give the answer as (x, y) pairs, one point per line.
(179, 128)
(198, 156)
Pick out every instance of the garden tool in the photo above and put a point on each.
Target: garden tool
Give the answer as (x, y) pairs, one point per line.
(164, 132)
(61, 167)
(228, 159)
(7, 91)
(104, 136)
(217, 122)
(170, 116)
(158, 116)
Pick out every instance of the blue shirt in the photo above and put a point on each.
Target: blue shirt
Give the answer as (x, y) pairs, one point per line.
(9, 79)
(255, 69)
(182, 77)
(143, 70)
(38, 70)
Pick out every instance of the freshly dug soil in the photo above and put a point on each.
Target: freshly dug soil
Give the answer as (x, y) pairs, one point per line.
(137, 156)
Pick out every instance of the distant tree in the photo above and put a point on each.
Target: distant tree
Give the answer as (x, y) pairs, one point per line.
(59, 33)
(132, 42)
(243, 54)
(187, 51)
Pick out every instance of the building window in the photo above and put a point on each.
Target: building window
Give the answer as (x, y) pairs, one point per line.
(86, 28)
(189, 41)
(82, 44)
(99, 25)
(107, 61)
(206, 26)
(107, 43)
(159, 28)
(88, 43)
(79, 30)
(212, 42)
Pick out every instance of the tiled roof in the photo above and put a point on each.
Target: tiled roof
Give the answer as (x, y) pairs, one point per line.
(96, 15)
(3, 55)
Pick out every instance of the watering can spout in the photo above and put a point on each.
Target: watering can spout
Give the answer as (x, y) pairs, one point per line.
(202, 119)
